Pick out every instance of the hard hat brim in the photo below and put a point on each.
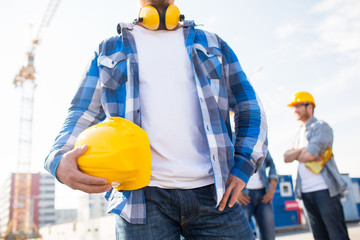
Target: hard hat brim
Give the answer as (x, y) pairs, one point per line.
(295, 103)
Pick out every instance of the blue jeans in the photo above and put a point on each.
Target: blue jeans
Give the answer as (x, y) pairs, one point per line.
(263, 212)
(326, 215)
(191, 213)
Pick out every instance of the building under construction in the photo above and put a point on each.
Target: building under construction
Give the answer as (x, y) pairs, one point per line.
(27, 200)
(24, 210)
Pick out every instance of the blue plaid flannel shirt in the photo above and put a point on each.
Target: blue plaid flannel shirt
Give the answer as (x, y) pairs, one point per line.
(110, 88)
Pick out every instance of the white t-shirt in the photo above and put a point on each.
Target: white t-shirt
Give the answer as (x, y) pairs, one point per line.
(170, 111)
(310, 182)
(255, 182)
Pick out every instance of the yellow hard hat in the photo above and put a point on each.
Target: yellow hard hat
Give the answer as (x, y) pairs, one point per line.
(301, 97)
(119, 151)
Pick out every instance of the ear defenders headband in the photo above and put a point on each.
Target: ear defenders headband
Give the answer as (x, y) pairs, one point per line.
(152, 19)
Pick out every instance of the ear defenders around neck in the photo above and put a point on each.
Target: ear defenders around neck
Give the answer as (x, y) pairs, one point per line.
(152, 18)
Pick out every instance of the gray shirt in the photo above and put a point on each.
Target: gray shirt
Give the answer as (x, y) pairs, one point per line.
(319, 135)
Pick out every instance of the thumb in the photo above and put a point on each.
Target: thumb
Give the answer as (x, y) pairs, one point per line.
(78, 151)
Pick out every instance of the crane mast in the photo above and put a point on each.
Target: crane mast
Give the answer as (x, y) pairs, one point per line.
(21, 225)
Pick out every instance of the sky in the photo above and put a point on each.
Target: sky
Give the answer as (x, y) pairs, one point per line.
(283, 46)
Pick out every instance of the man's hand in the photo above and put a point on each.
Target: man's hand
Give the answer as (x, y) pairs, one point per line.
(68, 173)
(319, 159)
(268, 197)
(234, 186)
(243, 199)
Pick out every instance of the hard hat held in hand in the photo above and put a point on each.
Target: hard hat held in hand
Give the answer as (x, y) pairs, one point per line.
(119, 151)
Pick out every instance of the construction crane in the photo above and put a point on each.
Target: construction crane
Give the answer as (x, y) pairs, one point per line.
(21, 224)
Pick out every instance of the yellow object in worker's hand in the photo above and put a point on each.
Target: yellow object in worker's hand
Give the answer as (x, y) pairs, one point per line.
(316, 166)
(119, 151)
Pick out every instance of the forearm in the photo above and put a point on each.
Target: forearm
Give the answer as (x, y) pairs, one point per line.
(292, 154)
(250, 118)
(250, 136)
(306, 156)
(85, 110)
(74, 124)
(272, 188)
(268, 197)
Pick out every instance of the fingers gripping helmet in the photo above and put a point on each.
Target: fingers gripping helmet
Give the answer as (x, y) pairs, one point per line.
(119, 151)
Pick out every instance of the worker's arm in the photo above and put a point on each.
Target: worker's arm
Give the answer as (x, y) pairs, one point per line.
(321, 137)
(292, 155)
(269, 163)
(250, 126)
(268, 197)
(85, 110)
(306, 156)
(68, 173)
(273, 178)
(302, 155)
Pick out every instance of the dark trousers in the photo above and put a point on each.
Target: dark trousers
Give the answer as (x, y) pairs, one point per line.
(190, 213)
(326, 215)
(263, 213)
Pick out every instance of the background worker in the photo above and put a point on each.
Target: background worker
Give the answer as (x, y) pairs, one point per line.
(178, 83)
(256, 198)
(319, 192)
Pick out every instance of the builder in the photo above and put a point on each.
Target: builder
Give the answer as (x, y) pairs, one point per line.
(178, 83)
(321, 191)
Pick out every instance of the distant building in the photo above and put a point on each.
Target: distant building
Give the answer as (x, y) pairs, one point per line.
(46, 200)
(65, 215)
(5, 189)
(93, 222)
(92, 206)
(40, 200)
(92, 229)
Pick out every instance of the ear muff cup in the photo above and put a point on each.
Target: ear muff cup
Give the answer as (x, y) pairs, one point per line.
(150, 17)
(172, 17)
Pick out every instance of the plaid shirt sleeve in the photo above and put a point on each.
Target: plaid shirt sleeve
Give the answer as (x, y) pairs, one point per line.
(85, 110)
(320, 138)
(269, 163)
(250, 120)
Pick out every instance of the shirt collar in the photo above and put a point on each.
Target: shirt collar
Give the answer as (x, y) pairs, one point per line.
(311, 121)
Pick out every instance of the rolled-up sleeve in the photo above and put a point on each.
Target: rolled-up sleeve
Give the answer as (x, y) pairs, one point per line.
(271, 165)
(320, 138)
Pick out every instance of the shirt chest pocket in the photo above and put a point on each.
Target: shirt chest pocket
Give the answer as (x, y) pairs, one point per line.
(113, 70)
(210, 60)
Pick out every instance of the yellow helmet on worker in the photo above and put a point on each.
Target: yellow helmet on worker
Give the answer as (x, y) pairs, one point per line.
(119, 151)
(301, 97)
